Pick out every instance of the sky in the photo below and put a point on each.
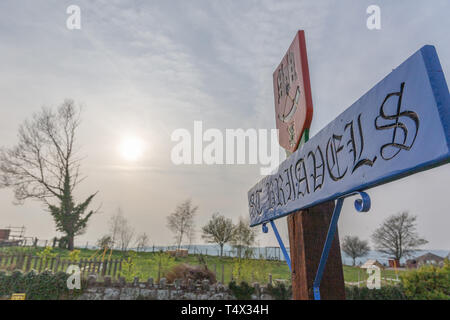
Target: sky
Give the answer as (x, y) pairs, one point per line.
(143, 69)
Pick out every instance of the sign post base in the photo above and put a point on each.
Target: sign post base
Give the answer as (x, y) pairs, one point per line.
(307, 234)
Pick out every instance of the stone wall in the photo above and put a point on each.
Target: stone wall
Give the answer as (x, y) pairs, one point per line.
(149, 290)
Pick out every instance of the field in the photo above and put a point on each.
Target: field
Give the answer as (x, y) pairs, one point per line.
(155, 265)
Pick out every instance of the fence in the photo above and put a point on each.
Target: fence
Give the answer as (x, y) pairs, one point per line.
(113, 267)
(26, 262)
(266, 253)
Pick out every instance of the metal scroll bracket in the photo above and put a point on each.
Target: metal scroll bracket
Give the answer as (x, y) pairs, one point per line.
(265, 229)
(361, 205)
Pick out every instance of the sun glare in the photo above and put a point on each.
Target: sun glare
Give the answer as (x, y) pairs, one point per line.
(131, 149)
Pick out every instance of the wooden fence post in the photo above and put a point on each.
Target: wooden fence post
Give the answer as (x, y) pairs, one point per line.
(57, 264)
(28, 265)
(223, 273)
(35, 263)
(104, 266)
(52, 261)
(63, 265)
(115, 268)
(94, 262)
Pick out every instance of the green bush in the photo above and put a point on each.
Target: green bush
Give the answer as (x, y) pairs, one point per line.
(242, 291)
(280, 291)
(43, 286)
(384, 293)
(428, 283)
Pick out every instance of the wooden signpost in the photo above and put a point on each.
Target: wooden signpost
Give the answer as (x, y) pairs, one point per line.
(399, 127)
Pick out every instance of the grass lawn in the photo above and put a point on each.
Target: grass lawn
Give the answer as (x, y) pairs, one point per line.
(146, 264)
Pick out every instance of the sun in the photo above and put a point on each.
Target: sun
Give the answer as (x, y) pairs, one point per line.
(131, 148)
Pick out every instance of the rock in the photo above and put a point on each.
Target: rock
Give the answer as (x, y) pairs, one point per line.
(148, 294)
(111, 294)
(162, 283)
(129, 294)
(92, 279)
(163, 294)
(107, 281)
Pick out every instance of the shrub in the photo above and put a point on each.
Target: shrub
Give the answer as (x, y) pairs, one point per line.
(46, 254)
(428, 283)
(129, 269)
(250, 270)
(384, 293)
(187, 272)
(242, 291)
(74, 255)
(280, 291)
(161, 261)
(44, 286)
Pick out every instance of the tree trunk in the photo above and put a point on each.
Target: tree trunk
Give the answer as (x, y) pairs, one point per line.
(221, 249)
(70, 242)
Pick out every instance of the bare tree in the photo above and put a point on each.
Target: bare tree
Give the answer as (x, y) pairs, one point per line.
(243, 238)
(120, 231)
(218, 230)
(397, 236)
(181, 222)
(125, 236)
(115, 223)
(44, 166)
(355, 248)
(142, 241)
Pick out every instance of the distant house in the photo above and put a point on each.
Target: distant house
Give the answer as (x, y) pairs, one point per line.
(427, 259)
(394, 263)
(4, 234)
(372, 263)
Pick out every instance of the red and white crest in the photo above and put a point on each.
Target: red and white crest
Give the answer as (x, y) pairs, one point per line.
(293, 101)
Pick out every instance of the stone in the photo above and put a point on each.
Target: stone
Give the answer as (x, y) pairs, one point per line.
(162, 283)
(266, 296)
(122, 282)
(92, 279)
(107, 281)
(111, 294)
(220, 287)
(257, 288)
(163, 294)
(150, 282)
(129, 293)
(217, 296)
(205, 285)
(148, 294)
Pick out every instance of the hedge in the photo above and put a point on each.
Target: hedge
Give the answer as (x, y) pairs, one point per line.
(43, 286)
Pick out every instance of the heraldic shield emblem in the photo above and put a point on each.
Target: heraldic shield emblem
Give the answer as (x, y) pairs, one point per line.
(292, 89)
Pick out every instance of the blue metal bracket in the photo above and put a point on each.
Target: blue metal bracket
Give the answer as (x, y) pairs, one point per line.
(265, 229)
(361, 205)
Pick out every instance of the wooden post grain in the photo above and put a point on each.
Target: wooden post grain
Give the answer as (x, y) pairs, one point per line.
(307, 233)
